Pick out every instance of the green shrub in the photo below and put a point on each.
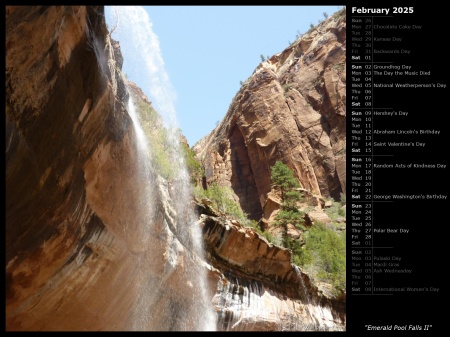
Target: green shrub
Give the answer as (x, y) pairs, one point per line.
(196, 172)
(222, 201)
(339, 67)
(161, 149)
(324, 255)
(288, 86)
(343, 199)
(268, 237)
(336, 210)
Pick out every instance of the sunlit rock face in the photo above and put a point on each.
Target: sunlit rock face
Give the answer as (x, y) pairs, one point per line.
(87, 246)
(292, 109)
(257, 287)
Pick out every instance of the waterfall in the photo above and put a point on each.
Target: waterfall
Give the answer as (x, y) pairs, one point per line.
(160, 303)
(140, 135)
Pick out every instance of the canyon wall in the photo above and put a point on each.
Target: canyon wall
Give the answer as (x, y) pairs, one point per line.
(84, 243)
(292, 109)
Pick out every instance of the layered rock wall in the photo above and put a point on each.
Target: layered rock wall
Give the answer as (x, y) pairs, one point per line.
(258, 288)
(292, 109)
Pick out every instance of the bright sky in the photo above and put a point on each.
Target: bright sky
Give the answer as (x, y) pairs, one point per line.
(207, 50)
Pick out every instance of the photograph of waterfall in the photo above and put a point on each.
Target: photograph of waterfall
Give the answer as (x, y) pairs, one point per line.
(160, 179)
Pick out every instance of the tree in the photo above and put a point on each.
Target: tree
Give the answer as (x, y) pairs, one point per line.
(283, 177)
(262, 58)
(325, 15)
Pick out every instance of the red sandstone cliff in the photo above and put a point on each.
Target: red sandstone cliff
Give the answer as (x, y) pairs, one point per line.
(292, 109)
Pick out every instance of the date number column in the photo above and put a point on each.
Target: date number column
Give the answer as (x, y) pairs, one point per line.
(361, 156)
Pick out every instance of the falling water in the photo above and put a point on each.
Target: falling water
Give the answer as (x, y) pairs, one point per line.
(140, 135)
(140, 47)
